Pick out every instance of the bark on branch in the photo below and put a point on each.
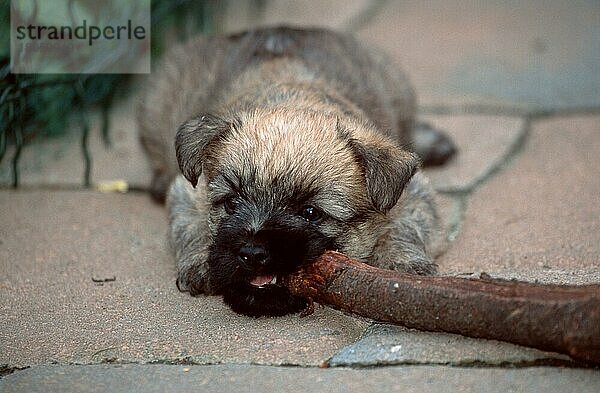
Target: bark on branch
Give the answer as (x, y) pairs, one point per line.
(563, 319)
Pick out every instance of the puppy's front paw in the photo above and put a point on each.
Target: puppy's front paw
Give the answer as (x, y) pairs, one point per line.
(192, 280)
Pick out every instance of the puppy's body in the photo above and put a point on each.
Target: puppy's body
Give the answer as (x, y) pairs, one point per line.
(293, 139)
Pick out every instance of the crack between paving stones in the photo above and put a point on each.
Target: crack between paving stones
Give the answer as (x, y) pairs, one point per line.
(6, 370)
(513, 151)
(364, 16)
(506, 111)
(131, 189)
(461, 195)
(546, 362)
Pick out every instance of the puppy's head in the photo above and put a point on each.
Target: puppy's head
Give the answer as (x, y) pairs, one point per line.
(284, 186)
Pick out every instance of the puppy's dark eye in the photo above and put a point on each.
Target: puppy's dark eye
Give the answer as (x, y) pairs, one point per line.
(230, 205)
(311, 213)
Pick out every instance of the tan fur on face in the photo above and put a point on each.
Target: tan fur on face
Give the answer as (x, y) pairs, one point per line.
(301, 148)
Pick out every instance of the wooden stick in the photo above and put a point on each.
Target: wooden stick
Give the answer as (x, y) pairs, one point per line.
(557, 318)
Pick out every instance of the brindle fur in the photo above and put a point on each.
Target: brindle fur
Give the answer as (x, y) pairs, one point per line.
(282, 117)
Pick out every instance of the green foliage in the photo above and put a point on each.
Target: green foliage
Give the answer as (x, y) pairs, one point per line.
(4, 28)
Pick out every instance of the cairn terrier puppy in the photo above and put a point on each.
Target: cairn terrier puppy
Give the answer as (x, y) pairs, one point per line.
(289, 143)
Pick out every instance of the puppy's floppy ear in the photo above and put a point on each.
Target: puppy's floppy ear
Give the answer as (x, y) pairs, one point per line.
(387, 168)
(193, 141)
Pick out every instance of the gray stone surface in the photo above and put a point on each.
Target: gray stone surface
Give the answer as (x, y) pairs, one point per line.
(538, 219)
(540, 53)
(246, 378)
(334, 14)
(482, 142)
(395, 345)
(54, 243)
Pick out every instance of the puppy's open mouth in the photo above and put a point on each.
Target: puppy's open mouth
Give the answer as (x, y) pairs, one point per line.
(263, 281)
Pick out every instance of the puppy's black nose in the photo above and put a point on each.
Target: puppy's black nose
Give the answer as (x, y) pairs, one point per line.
(252, 255)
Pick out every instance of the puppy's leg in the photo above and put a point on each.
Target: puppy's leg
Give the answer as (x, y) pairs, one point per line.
(432, 145)
(157, 152)
(414, 236)
(189, 237)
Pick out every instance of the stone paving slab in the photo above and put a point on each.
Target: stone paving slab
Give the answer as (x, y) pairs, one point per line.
(534, 54)
(385, 344)
(59, 160)
(538, 219)
(334, 14)
(54, 243)
(235, 378)
(541, 53)
(482, 142)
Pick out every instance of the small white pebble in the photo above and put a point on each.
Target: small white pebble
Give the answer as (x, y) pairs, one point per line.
(396, 348)
(396, 285)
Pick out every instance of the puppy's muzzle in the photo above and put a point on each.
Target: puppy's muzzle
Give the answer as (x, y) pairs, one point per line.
(253, 256)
